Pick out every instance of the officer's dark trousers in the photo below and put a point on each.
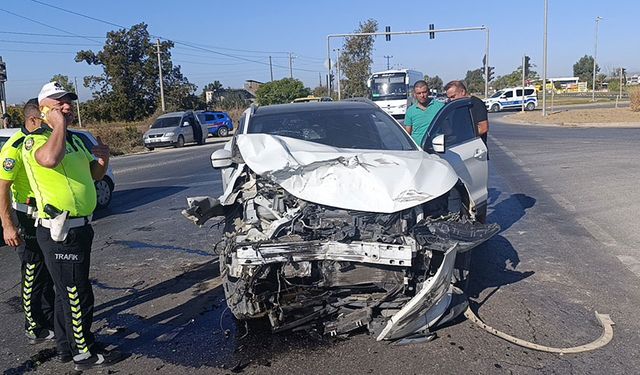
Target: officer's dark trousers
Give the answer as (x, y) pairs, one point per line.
(68, 262)
(37, 287)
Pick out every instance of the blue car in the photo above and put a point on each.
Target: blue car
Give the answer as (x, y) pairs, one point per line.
(218, 123)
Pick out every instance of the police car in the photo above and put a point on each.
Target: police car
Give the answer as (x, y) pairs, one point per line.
(104, 187)
(511, 98)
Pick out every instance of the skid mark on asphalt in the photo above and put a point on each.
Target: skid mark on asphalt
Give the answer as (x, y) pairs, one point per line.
(595, 230)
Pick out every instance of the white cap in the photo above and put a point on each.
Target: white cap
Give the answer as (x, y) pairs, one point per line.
(54, 90)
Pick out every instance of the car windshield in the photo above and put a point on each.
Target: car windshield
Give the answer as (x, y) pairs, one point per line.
(3, 140)
(497, 94)
(166, 122)
(367, 129)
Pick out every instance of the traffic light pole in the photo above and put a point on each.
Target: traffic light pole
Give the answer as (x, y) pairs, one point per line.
(478, 28)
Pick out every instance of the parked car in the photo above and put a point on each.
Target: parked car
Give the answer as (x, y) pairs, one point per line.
(104, 187)
(334, 215)
(175, 129)
(218, 123)
(511, 97)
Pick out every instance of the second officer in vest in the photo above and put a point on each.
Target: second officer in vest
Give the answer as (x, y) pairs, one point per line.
(62, 173)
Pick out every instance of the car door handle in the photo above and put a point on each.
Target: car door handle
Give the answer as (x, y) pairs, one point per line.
(479, 154)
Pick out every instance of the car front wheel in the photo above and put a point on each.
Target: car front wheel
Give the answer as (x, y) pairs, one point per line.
(104, 192)
(495, 108)
(223, 132)
(530, 106)
(180, 142)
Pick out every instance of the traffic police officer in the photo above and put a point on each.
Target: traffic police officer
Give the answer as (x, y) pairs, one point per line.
(62, 173)
(36, 284)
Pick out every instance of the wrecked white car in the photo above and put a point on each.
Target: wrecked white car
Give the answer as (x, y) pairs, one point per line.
(335, 218)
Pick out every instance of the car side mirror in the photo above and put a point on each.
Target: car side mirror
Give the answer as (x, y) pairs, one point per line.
(438, 144)
(186, 123)
(221, 159)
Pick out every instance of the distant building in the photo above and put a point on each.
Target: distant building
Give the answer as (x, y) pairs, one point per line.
(633, 80)
(245, 94)
(252, 86)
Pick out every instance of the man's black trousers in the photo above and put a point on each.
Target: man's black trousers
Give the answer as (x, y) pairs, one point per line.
(37, 287)
(68, 263)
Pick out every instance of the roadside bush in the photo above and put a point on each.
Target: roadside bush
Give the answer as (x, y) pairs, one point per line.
(122, 138)
(634, 97)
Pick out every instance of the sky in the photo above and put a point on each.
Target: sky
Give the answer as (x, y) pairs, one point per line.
(236, 38)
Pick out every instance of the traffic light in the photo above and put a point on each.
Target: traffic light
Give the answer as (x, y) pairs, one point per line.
(432, 35)
(387, 37)
(490, 74)
(527, 66)
(3, 71)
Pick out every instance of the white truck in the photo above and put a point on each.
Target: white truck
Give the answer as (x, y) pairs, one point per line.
(392, 90)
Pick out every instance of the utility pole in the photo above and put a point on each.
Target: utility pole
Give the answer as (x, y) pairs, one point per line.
(544, 62)
(595, 56)
(388, 57)
(338, 72)
(3, 78)
(320, 79)
(160, 74)
(291, 57)
(271, 68)
(524, 57)
(75, 82)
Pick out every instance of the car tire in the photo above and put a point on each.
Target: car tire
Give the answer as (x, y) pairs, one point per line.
(150, 148)
(223, 131)
(180, 142)
(104, 192)
(495, 108)
(530, 106)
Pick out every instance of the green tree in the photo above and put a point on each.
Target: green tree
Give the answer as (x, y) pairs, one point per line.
(583, 68)
(474, 80)
(355, 61)
(64, 81)
(281, 91)
(434, 83)
(128, 88)
(514, 78)
(319, 91)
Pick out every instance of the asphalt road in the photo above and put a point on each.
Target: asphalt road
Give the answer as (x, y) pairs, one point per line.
(567, 204)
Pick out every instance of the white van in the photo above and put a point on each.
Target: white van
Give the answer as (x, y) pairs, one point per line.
(511, 97)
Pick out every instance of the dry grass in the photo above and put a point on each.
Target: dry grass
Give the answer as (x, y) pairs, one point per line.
(634, 97)
(573, 117)
(122, 138)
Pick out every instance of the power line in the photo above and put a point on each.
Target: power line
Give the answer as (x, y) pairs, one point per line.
(45, 43)
(46, 25)
(161, 37)
(30, 51)
(50, 35)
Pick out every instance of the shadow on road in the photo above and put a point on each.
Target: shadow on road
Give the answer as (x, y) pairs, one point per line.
(199, 332)
(124, 201)
(494, 263)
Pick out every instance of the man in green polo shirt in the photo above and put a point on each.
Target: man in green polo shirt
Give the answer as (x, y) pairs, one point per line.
(61, 172)
(36, 285)
(420, 115)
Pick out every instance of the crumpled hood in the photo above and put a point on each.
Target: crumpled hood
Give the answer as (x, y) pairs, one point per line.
(362, 180)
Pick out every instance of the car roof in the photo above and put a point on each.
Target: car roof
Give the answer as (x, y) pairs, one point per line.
(314, 106)
(173, 114)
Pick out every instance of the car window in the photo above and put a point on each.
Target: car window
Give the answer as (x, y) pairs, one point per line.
(209, 117)
(367, 129)
(219, 116)
(508, 94)
(166, 122)
(457, 126)
(497, 94)
(519, 92)
(528, 91)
